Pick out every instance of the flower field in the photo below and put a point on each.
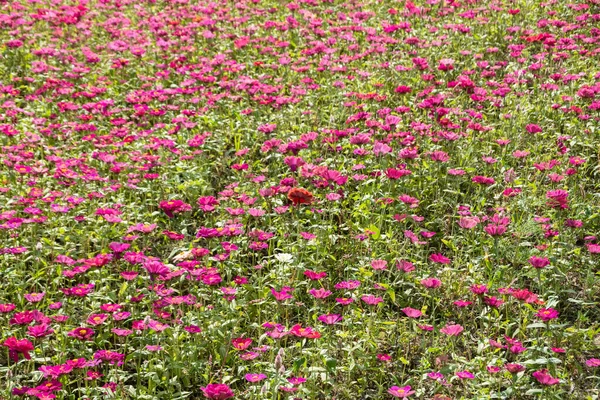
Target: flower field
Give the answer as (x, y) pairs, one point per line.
(309, 199)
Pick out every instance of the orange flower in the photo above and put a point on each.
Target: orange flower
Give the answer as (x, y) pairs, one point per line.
(300, 196)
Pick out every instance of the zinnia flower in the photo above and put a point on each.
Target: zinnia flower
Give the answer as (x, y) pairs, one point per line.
(400, 392)
(543, 377)
(547, 314)
(16, 347)
(452, 330)
(299, 196)
(217, 391)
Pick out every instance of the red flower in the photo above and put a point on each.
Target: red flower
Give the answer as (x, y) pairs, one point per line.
(300, 196)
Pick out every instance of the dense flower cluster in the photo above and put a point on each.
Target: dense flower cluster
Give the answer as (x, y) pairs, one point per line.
(304, 199)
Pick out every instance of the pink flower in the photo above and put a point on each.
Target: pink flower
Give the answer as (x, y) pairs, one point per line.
(462, 303)
(557, 198)
(371, 300)
(468, 222)
(479, 289)
(593, 362)
(321, 293)
(412, 312)
(495, 230)
(405, 266)
(543, 377)
(171, 207)
(514, 368)
(241, 343)
(593, 248)
(547, 314)
(16, 347)
(483, 180)
(255, 377)
(330, 319)
(81, 333)
(308, 332)
(296, 380)
(439, 258)
(315, 276)
(400, 392)
(465, 375)
(539, 262)
(379, 264)
(533, 128)
(431, 283)
(452, 330)
(34, 297)
(217, 391)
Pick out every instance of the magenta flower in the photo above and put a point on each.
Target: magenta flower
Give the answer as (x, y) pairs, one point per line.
(18, 346)
(81, 333)
(400, 392)
(547, 314)
(479, 289)
(465, 375)
(539, 262)
(296, 380)
(171, 207)
(217, 391)
(544, 378)
(557, 198)
(439, 258)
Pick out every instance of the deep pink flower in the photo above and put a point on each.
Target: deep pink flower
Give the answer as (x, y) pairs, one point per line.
(81, 333)
(543, 377)
(217, 391)
(557, 198)
(18, 346)
(539, 262)
(241, 343)
(465, 375)
(439, 258)
(400, 392)
(547, 314)
(171, 207)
